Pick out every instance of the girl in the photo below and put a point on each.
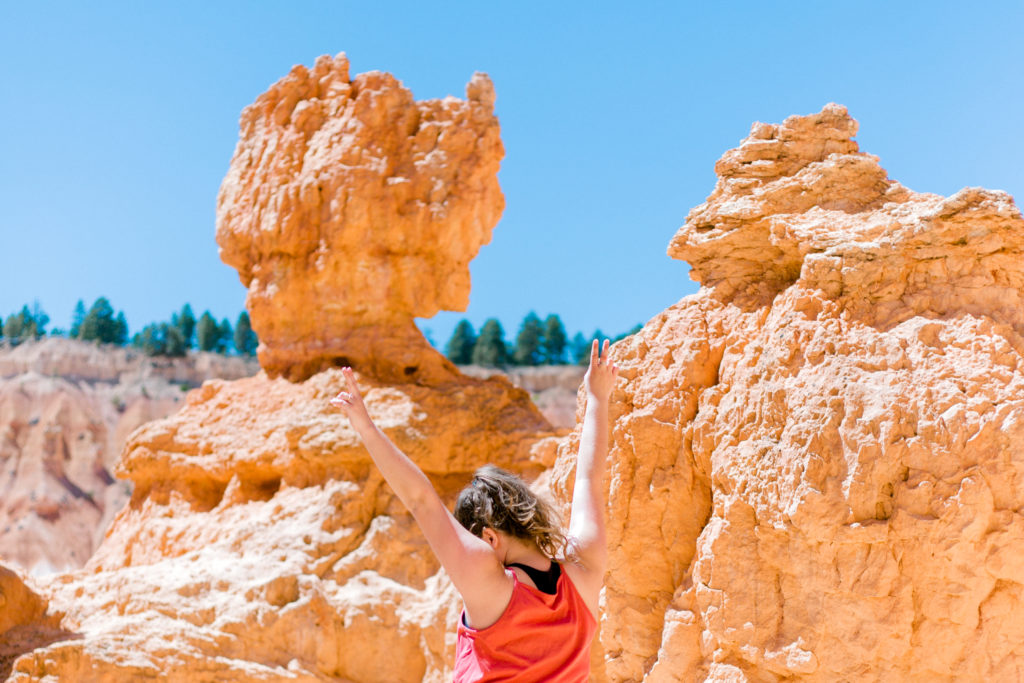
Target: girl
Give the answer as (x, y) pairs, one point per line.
(526, 617)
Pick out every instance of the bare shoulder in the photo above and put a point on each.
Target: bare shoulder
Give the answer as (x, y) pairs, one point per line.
(487, 594)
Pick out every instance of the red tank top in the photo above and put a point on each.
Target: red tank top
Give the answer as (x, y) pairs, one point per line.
(539, 637)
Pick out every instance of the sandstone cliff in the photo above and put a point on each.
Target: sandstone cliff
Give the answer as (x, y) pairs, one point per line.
(816, 470)
(66, 410)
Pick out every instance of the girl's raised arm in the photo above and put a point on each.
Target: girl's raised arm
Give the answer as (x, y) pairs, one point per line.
(586, 523)
(470, 561)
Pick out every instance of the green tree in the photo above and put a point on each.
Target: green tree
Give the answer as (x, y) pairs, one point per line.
(186, 322)
(207, 332)
(490, 345)
(581, 347)
(529, 341)
(174, 340)
(99, 324)
(245, 339)
(224, 335)
(1, 327)
(555, 340)
(76, 319)
(39, 320)
(13, 327)
(149, 340)
(120, 329)
(459, 348)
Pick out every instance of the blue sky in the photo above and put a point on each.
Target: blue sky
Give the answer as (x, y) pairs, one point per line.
(118, 120)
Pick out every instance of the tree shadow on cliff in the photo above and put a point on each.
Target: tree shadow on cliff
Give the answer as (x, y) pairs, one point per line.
(23, 639)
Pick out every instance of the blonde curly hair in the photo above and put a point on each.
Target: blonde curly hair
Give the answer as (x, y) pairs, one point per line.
(502, 501)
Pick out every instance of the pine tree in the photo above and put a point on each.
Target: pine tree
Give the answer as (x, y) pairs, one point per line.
(120, 329)
(186, 322)
(224, 335)
(28, 323)
(245, 338)
(150, 340)
(76, 319)
(98, 324)
(490, 345)
(580, 349)
(13, 328)
(529, 341)
(174, 340)
(1, 327)
(555, 340)
(459, 348)
(39, 320)
(207, 332)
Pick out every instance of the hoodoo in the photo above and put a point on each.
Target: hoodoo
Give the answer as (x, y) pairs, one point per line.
(349, 209)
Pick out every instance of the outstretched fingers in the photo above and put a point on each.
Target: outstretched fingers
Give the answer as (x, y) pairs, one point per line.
(350, 381)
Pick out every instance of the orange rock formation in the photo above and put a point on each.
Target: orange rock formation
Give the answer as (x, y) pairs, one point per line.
(816, 470)
(349, 209)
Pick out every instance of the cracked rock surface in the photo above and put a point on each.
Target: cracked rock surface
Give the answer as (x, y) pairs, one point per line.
(816, 467)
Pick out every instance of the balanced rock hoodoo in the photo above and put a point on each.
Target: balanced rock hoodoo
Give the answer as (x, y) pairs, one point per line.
(349, 209)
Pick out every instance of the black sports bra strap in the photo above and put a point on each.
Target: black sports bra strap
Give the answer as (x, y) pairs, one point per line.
(546, 581)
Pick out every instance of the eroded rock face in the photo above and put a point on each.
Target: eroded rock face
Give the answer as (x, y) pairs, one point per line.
(349, 209)
(66, 410)
(816, 469)
(262, 543)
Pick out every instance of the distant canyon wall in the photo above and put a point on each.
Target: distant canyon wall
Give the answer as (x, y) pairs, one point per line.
(66, 410)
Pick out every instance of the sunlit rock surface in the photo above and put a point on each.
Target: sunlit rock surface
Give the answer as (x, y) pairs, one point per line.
(349, 209)
(816, 465)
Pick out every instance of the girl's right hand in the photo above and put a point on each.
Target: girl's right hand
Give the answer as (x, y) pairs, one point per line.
(602, 373)
(351, 403)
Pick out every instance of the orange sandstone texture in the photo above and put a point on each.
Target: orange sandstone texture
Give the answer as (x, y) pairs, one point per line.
(349, 209)
(816, 467)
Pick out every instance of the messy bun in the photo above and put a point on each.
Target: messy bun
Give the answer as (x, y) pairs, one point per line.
(500, 500)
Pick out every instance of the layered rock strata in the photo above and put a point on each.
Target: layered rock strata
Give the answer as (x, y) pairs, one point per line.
(816, 469)
(66, 410)
(349, 209)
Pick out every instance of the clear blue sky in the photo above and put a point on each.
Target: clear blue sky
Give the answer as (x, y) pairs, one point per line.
(118, 120)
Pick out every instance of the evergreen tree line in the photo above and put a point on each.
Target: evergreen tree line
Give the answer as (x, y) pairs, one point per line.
(537, 343)
(172, 338)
